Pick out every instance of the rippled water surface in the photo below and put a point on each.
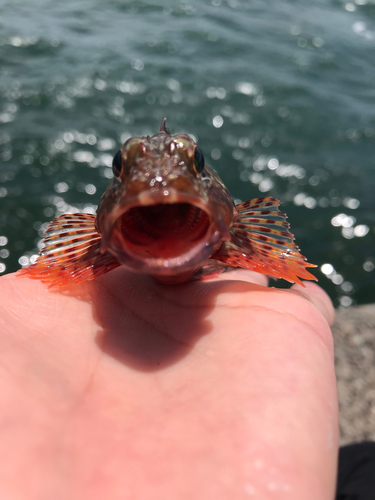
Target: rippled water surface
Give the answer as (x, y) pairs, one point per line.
(280, 96)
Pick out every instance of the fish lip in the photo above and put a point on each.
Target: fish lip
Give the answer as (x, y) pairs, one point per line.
(217, 232)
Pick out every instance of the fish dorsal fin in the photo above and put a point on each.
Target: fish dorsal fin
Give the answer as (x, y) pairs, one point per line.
(164, 128)
(70, 253)
(261, 242)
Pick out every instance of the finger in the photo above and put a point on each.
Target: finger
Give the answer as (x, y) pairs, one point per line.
(244, 275)
(319, 298)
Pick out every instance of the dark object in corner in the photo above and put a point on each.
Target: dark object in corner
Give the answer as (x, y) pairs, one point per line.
(356, 474)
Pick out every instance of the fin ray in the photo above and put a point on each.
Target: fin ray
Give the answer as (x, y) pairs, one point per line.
(268, 250)
(70, 252)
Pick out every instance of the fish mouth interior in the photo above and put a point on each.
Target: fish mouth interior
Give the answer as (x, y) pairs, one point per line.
(163, 230)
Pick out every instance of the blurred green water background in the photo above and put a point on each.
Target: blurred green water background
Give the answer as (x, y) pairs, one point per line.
(279, 94)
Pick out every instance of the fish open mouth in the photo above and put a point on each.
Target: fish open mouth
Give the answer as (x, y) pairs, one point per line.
(163, 230)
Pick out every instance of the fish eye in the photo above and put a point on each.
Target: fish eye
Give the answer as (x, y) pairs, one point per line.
(117, 163)
(198, 160)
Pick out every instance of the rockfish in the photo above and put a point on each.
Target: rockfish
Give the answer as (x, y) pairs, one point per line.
(166, 213)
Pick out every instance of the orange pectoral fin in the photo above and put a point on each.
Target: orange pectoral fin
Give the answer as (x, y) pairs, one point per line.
(261, 242)
(71, 252)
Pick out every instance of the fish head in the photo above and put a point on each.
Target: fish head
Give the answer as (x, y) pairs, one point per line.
(165, 211)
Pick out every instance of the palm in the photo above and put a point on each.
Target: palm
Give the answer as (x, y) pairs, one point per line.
(123, 388)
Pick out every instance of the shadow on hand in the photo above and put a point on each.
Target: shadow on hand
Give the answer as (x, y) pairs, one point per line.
(149, 326)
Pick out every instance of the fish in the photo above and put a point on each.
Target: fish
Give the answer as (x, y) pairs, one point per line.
(167, 213)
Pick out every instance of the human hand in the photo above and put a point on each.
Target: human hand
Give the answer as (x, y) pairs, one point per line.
(122, 388)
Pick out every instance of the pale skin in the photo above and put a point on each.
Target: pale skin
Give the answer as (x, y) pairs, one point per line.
(121, 388)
